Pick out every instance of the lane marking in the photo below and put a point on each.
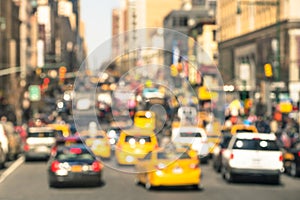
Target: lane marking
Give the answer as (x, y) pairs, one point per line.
(11, 168)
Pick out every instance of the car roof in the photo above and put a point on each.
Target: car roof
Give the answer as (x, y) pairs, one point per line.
(40, 129)
(189, 129)
(138, 131)
(263, 136)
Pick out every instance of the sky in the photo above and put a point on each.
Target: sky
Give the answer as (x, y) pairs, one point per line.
(97, 15)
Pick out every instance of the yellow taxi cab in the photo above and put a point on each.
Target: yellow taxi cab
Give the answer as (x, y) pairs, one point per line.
(61, 129)
(145, 119)
(168, 168)
(134, 143)
(240, 128)
(213, 131)
(98, 143)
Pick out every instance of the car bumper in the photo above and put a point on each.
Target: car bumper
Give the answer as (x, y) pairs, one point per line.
(255, 172)
(75, 179)
(36, 155)
(103, 153)
(170, 179)
(204, 158)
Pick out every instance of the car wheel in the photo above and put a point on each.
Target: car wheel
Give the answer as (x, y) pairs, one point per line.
(148, 185)
(276, 179)
(223, 172)
(293, 170)
(52, 184)
(229, 177)
(137, 181)
(198, 186)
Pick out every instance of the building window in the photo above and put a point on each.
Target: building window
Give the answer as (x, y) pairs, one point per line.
(183, 21)
(214, 35)
(198, 2)
(179, 21)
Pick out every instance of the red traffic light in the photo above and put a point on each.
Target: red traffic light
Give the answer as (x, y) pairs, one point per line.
(46, 81)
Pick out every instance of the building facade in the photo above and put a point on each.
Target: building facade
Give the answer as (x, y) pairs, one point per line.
(255, 33)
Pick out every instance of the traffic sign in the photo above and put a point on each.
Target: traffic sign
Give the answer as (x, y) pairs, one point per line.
(34, 93)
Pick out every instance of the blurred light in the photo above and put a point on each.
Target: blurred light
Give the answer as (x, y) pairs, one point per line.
(129, 159)
(112, 133)
(67, 97)
(131, 141)
(60, 105)
(113, 86)
(148, 114)
(228, 88)
(46, 81)
(52, 73)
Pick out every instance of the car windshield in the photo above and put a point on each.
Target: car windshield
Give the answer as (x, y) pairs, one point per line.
(190, 134)
(74, 155)
(256, 144)
(244, 130)
(225, 141)
(172, 155)
(42, 134)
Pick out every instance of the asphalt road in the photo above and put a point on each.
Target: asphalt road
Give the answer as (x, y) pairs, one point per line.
(29, 181)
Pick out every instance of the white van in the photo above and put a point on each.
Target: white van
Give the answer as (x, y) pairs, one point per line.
(39, 142)
(195, 137)
(252, 154)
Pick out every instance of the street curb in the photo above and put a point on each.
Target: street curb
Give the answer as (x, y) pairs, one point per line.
(11, 168)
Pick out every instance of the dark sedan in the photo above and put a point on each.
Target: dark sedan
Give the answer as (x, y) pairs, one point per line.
(74, 165)
(292, 160)
(218, 151)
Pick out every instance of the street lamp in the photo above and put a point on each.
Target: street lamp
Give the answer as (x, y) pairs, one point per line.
(277, 56)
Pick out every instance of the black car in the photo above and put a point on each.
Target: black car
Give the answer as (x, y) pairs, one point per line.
(218, 151)
(74, 165)
(291, 160)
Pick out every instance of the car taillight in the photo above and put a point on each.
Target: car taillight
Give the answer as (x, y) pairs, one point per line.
(298, 153)
(231, 156)
(55, 166)
(194, 166)
(221, 152)
(281, 157)
(26, 147)
(53, 150)
(96, 166)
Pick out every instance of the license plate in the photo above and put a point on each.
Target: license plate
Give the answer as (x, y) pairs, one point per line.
(177, 170)
(76, 168)
(42, 149)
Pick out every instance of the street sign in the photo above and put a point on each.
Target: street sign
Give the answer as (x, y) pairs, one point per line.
(34, 93)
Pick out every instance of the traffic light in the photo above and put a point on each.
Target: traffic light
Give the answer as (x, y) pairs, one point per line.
(173, 70)
(268, 70)
(34, 93)
(45, 84)
(62, 73)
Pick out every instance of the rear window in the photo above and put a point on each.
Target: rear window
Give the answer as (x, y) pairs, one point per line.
(244, 130)
(73, 154)
(256, 144)
(137, 139)
(42, 134)
(190, 134)
(74, 157)
(173, 155)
